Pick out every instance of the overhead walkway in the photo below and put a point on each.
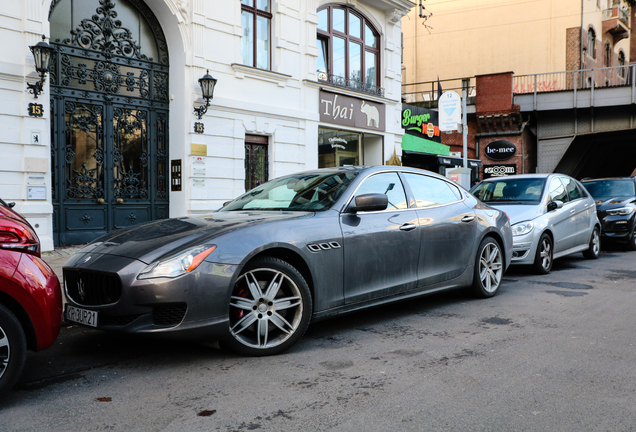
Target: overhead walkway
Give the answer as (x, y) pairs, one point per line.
(585, 120)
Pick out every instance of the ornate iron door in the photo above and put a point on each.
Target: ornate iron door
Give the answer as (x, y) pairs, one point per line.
(109, 132)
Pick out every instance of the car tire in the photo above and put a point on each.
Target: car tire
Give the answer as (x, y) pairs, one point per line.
(595, 245)
(631, 244)
(270, 308)
(543, 257)
(12, 350)
(489, 269)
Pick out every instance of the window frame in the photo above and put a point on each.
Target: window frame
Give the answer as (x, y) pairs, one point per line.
(251, 143)
(255, 14)
(591, 42)
(331, 32)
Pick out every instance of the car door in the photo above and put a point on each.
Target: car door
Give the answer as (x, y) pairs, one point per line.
(381, 248)
(448, 229)
(580, 212)
(561, 220)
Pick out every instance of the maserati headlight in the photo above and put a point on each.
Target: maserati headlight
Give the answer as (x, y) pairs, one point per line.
(176, 265)
(522, 228)
(623, 211)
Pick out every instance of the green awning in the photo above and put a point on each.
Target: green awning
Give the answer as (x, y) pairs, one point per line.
(421, 145)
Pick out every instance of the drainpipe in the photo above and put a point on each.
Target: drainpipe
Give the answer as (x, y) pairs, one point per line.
(582, 63)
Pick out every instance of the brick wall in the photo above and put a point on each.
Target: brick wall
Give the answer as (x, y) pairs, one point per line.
(494, 93)
(573, 48)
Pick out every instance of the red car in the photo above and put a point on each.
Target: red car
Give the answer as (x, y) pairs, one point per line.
(30, 296)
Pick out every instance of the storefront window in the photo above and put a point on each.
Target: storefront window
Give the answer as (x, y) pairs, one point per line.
(338, 148)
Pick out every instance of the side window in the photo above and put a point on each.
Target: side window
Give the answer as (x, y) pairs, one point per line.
(573, 191)
(582, 190)
(557, 191)
(388, 184)
(429, 191)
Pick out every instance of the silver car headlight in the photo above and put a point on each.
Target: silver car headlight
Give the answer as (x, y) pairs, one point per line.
(623, 211)
(522, 228)
(177, 265)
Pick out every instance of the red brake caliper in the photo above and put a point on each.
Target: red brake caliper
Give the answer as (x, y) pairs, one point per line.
(239, 313)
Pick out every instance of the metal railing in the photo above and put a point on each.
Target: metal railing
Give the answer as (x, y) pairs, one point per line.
(350, 83)
(615, 76)
(428, 91)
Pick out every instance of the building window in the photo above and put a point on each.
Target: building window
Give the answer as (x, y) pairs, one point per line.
(621, 62)
(256, 161)
(591, 43)
(608, 54)
(348, 49)
(255, 44)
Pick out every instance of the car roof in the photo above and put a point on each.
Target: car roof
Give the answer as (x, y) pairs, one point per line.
(524, 176)
(609, 178)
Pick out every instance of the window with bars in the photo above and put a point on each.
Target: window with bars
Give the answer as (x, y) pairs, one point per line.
(591, 43)
(256, 161)
(348, 49)
(256, 20)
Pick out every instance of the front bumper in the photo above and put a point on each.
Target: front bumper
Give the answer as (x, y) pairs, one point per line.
(524, 248)
(617, 227)
(193, 306)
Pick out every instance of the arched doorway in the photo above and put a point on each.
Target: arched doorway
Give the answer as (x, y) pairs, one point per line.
(109, 118)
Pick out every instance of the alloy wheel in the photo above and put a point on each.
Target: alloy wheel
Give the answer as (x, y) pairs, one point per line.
(5, 351)
(266, 308)
(546, 253)
(490, 267)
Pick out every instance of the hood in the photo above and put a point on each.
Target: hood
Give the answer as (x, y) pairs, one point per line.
(519, 213)
(150, 241)
(615, 202)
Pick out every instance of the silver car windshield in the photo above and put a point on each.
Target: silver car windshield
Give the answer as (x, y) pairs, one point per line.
(600, 189)
(510, 189)
(301, 192)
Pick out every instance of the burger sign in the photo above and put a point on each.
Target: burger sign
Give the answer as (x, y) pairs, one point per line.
(500, 150)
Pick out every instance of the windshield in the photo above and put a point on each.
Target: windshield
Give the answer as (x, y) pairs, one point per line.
(300, 192)
(510, 189)
(610, 188)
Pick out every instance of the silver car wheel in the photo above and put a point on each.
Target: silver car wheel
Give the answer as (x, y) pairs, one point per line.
(490, 267)
(266, 308)
(545, 252)
(596, 242)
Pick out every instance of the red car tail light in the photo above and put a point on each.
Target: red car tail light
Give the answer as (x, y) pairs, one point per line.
(15, 235)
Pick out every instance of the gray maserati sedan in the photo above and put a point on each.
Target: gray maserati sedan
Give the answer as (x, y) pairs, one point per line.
(296, 249)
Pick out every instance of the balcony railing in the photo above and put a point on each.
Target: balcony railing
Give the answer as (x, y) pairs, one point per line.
(614, 76)
(428, 91)
(350, 84)
(615, 12)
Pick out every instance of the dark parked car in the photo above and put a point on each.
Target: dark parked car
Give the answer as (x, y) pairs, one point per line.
(616, 205)
(295, 249)
(30, 296)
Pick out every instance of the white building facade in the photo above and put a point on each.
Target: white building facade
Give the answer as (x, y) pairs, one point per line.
(113, 139)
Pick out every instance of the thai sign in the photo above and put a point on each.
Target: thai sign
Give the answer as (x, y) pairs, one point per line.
(500, 150)
(421, 122)
(350, 111)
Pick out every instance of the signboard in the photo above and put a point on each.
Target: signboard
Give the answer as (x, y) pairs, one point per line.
(500, 150)
(36, 110)
(421, 122)
(353, 112)
(199, 127)
(450, 111)
(500, 170)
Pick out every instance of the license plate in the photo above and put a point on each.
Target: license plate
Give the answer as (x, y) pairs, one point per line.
(81, 316)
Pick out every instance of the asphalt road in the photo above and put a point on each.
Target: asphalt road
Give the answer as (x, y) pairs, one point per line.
(549, 353)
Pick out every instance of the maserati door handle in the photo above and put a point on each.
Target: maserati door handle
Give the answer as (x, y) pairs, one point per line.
(408, 227)
(468, 218)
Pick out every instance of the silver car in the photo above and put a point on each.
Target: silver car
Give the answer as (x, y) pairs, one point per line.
(552, 215)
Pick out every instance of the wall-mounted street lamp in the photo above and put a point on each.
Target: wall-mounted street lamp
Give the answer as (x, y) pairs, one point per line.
(42, 55)
(207, 83)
